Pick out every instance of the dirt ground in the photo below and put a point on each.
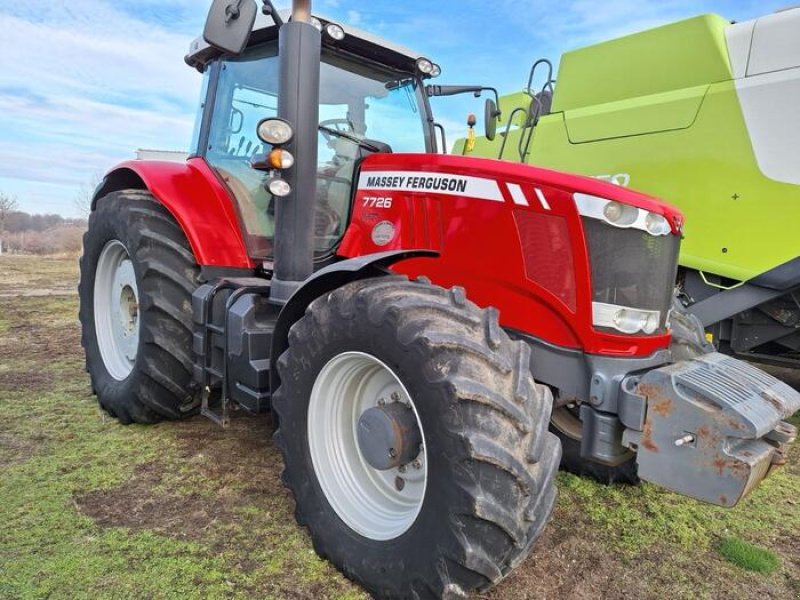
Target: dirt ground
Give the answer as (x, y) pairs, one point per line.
(93, 509)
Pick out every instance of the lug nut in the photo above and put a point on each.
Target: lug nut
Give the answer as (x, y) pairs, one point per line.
(381, 402)
(416, 464)
(402, 468)
(395, 397)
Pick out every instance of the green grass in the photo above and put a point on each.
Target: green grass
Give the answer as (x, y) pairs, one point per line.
(747, 556)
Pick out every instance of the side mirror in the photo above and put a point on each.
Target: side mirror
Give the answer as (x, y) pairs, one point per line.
(229, 25)
(490, 119)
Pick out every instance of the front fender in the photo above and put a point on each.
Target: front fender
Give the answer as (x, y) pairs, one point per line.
(325, 280)
(199, 202)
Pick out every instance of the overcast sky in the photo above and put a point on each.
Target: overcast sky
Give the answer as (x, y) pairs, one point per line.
(84, 83)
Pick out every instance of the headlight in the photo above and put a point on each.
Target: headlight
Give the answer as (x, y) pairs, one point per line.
(656, 224)
(335, 31)
(279, 187)
(274, 132)
(622, 215)
(436, 71)
(424, 66)
(624, 318)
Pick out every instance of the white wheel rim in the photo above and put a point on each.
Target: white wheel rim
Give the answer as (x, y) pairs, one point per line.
(366, 499)
(116, 310)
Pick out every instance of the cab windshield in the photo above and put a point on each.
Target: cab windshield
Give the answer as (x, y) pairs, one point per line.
(359, 103)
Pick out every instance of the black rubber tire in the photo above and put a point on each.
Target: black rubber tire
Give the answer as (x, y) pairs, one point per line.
(573, 462)
(688, 336)
(159, 386)
(492, 462)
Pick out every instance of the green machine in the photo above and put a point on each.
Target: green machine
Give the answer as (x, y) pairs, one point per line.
(705, 114)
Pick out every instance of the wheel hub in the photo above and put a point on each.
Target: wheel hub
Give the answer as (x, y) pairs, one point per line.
(129, 310)
(388, 436)
(359, 415)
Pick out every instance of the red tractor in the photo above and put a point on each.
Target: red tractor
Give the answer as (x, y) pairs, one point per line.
(411, 318)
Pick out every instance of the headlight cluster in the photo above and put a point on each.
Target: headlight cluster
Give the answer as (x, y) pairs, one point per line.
(625, 319)
(276, 133)
(621, 215)
(428, 68)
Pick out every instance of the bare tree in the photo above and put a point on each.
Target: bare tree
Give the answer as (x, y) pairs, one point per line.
(84, 195)
(8, 204)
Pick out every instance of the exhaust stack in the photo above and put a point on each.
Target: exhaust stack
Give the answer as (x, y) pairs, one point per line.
(300, 49)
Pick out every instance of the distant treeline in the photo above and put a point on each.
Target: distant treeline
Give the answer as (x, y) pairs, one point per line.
(24, 233)
(18, 221)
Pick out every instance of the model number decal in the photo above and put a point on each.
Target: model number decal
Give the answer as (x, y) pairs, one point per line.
(377, 202)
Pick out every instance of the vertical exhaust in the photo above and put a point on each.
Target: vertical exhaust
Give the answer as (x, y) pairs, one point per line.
(300, 50)
(301, 11)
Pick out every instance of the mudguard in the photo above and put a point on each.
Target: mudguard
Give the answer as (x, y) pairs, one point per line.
(325, 280)
(199, 202)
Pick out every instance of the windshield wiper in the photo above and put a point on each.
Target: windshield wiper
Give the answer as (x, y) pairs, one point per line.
(363, 143)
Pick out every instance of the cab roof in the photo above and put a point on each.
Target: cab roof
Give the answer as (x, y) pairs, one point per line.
(356, 41)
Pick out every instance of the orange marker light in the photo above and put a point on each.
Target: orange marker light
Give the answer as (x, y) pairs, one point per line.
(280, 159)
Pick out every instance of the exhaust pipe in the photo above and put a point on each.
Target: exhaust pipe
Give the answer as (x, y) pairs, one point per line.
(301, 11)
(300, 49)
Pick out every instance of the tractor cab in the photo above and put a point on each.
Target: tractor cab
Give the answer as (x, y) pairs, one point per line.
(372, 100)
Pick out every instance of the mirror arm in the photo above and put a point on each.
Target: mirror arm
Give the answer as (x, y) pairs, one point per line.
(454, 90)
(496, 98)
(269, 10)
(440, 127)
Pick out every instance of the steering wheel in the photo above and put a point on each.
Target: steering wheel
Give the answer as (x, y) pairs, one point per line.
(343, 125)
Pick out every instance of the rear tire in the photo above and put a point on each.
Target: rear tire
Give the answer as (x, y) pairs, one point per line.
(137, 279)
(489, 478)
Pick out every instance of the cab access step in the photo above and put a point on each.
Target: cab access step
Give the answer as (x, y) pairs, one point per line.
(234, 321)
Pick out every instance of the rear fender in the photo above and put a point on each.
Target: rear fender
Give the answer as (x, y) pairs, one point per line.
(326, 280)
(193, 195)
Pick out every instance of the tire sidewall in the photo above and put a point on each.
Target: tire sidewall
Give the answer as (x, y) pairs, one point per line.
(106, 226)
(432, 403)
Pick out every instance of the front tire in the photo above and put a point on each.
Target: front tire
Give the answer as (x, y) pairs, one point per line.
(484, 486)
(137, 279)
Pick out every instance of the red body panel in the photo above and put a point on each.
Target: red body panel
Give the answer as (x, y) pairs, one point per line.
(474, 227)
(201, 205)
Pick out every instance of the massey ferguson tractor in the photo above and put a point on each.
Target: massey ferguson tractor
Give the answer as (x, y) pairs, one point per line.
(410, 318)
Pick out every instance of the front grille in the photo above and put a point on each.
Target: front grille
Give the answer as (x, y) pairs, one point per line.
(631, 267)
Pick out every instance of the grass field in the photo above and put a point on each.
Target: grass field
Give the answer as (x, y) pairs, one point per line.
(91, 509)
